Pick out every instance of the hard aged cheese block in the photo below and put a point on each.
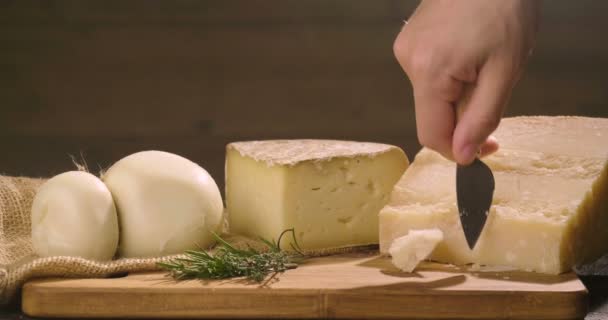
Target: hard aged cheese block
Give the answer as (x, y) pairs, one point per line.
(330, 191)
(550, 206)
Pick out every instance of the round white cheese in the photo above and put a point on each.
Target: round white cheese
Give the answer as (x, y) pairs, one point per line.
(166, 204)
(73, 215)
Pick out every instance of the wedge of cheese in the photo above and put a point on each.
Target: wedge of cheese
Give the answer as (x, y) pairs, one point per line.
(408, 251)
(329, 191)
(550, 206)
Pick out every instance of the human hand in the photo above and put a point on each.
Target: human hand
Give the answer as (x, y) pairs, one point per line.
(468, 54)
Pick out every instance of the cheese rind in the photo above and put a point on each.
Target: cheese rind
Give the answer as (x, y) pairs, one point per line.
(292, 152)
(549, 210)
(329, 191)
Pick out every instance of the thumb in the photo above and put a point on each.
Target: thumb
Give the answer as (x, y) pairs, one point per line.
(480, 114)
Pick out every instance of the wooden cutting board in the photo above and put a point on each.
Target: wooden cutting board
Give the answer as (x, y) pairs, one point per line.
(363, 286)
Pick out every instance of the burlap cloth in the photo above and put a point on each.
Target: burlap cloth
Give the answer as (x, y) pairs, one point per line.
(18, 263)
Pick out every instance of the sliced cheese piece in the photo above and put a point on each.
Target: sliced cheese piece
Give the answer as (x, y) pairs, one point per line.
(409, 250)
(550, 206)
(330, 191)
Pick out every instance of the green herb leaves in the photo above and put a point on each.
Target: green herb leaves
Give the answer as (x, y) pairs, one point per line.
(229, 262)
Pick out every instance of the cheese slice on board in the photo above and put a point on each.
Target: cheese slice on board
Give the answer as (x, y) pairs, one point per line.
(550, 206)
(329, 191)
(411, 249)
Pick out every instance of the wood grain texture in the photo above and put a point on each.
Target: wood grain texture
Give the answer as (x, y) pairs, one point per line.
(362, 286)
(108, 78)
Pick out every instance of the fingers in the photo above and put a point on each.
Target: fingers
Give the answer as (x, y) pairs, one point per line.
(482, 112)
(489, 146)
(434, 93)
(435, 124)
(435, 116)
(438, 78)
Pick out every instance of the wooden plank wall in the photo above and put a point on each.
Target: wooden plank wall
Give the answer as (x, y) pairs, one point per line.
(108, 78)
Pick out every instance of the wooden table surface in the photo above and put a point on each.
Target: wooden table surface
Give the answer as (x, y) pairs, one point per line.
(341, 286)
(597, 286)
(594, 276)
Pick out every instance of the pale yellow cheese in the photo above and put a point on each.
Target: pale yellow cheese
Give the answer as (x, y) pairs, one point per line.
(329, 191)
(550, 206)
(409, 250)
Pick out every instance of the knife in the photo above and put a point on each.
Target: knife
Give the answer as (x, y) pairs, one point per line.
(474, 192)
(474, 189)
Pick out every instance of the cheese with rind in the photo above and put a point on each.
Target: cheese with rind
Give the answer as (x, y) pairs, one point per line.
(550, 206)
(329, 191)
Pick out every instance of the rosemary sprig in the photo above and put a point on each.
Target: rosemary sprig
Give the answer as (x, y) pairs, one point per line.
(229, 262)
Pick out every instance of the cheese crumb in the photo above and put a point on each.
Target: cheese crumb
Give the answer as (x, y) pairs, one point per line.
(475, 267)
(408, 251)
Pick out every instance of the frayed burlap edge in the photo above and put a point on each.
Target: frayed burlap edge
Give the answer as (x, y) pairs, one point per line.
(12, 279)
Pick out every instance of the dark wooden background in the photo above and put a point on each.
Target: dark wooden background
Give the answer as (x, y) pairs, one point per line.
(108, 78)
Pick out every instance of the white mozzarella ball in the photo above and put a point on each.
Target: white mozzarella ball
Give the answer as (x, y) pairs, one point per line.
(166, 204)
(73, 214)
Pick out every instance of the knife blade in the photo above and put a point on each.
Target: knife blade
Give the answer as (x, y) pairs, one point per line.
(474, 185)
(474, 192)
